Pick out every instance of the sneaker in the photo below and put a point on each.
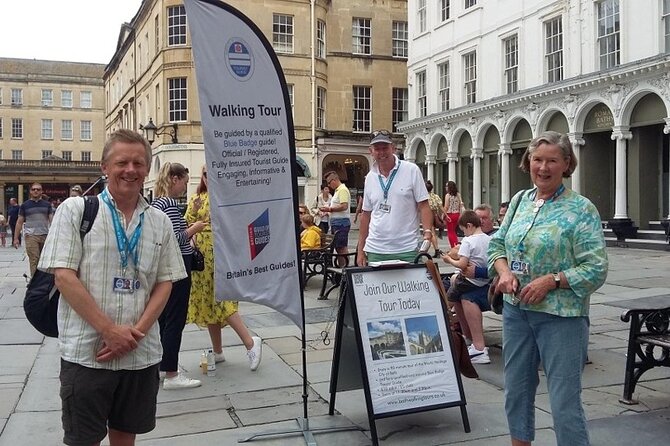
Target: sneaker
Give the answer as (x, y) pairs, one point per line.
(255, 353)
(218, 357)
(180, 382)
(479, 356)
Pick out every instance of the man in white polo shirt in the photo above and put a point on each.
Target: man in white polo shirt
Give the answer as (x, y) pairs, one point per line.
(394, 203)
(114, 285)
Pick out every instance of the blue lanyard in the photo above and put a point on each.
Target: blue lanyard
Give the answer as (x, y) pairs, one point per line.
(387, 186)
(536, 210)
(124, 245)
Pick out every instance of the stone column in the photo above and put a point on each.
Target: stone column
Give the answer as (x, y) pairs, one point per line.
(621, 134)
(666, 130)
(476, 155)
(452, 158)
(504, 152)
(577, 143)
(431, 160)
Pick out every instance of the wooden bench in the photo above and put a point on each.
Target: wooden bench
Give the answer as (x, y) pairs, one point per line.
(648, 338)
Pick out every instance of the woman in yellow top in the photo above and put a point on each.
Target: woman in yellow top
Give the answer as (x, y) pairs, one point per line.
(203, 309)
(310, 237)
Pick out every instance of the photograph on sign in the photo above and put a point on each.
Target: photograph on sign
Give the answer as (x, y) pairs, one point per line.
(408, 357)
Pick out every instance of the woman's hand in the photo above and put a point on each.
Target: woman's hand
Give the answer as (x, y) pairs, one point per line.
(536, 290)
(507, 283)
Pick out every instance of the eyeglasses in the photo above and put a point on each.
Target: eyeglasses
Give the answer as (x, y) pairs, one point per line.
(35, 188)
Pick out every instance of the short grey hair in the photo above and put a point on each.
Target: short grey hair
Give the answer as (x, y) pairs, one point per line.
(130, 137)
(554, 139)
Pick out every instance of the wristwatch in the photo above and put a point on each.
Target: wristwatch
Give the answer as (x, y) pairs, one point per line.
(557, 279)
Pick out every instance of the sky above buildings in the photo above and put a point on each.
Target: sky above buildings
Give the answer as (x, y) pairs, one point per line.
(65, 30)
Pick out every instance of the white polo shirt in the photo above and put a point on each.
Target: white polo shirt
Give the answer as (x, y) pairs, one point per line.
(395, 231)
(97, 263)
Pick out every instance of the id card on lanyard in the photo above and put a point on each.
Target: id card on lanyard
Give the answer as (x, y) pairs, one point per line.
(384, 206)
(128, 248)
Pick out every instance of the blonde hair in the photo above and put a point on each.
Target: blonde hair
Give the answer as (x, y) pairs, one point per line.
(168, 170)
(308, 219)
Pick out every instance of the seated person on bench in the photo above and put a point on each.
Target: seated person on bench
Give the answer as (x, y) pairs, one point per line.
(473, 249)
(310, 237)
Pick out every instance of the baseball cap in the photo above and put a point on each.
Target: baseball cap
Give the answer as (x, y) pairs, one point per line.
(380, 136)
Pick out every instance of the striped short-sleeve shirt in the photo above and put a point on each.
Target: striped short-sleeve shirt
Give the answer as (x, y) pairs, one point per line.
(97, 261)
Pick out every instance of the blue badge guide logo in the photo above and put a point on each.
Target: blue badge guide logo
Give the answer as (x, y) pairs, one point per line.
(259, 234)
(239, 59)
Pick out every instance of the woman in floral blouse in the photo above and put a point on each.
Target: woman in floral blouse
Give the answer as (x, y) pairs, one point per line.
(550, 256)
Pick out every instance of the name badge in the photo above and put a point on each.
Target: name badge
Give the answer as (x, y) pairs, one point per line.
(519, 267)
(386, 208)
(123, 285)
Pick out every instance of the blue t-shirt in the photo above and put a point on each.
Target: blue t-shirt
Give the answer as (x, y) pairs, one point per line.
(36, 217)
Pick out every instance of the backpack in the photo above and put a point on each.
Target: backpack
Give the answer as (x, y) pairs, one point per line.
(41, 300)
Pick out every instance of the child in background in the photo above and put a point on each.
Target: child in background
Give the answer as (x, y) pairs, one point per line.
(310, 237)
(3, 230)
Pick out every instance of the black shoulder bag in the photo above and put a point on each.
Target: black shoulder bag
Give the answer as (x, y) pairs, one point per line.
(41, 300)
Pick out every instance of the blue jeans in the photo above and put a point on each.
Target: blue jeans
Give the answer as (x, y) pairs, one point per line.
(561, 344)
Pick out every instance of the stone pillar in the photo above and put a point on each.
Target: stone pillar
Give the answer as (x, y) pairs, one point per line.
(666, 130)
(452, 158)
(476, 155)
(431, 160)
(577, 143)
(504, 152)
(621, 134)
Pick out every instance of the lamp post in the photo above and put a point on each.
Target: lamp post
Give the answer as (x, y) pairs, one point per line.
(151, 131)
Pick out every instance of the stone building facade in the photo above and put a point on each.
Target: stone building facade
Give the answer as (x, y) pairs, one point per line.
(51, 126)
(487, 76)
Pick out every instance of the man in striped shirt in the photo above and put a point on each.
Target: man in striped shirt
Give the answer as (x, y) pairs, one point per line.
(34, 218)
(114, 285)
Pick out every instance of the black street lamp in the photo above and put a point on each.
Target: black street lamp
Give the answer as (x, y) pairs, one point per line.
(151, 131)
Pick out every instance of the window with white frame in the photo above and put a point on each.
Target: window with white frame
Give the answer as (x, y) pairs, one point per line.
(470, 77)
(400, 37)
(86, 155)
(17, 155)
(282, 33)
(511, 48)
(47, 153)
(85, 132)
(443, 91)
(66, 155)
(47, 97)
(157, 34)
(421, 16)
(421, 103)
(444, 10)
(66, 129)
(176, 25)
(17, 128)
(17, 96)
(86, 99)
(666, 26)
(290, 97)
(470, 3)
(1, 130)
(362, 109)
(321, 39)
(47, 129)
(321, 107)
(177, 99)
(608, 33)
(66, 98)
(361, 33)
(400, 107)
(553, 49)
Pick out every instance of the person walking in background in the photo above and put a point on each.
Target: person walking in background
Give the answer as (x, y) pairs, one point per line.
(435, 203)
(359, 204)
(35, 216)
(322, 200)
(550, 257)
(203, 309)
(395, 201)
(114, 284)
(76, 191)
(3, 230)
(340, 219)
(502, 212)
(12, 218)
(171, 183)
(453, 204)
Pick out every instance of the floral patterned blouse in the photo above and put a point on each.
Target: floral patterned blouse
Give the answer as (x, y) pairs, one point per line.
(565, 235)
